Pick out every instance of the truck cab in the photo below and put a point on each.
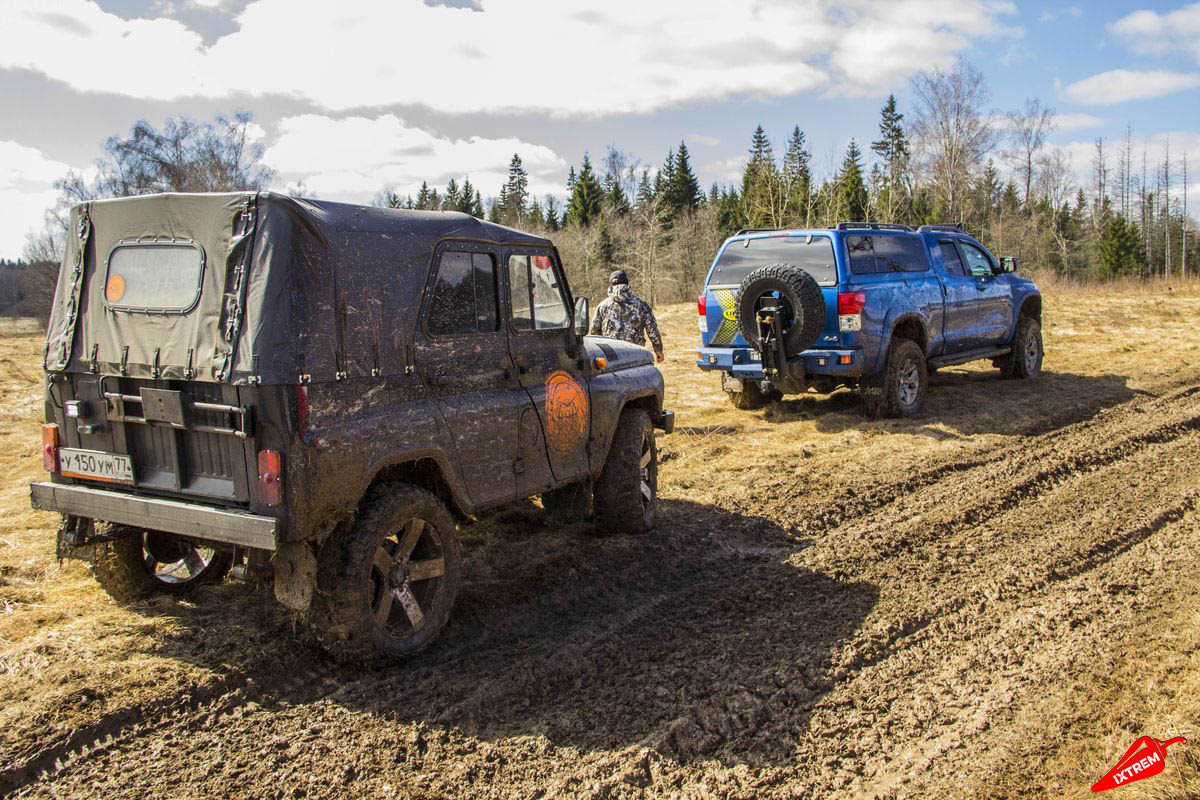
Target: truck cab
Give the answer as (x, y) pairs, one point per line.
(852, 292)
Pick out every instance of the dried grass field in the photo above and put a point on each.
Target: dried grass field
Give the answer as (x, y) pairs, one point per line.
(993, 599)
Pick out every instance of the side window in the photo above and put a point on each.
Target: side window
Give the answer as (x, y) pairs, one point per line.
(862, 255)
(537, 300)
(900, 253)
(464, 295)
(978, 264)
(950, 257)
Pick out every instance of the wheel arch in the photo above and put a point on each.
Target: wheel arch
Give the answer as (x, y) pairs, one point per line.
(908, 325)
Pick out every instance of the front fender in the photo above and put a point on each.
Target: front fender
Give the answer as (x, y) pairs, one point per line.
(610, 393)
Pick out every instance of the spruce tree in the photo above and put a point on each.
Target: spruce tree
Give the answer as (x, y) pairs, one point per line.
(423, 197)
(604, 249)
(892, 147)
(850, 195)
(477, 206)
(683, 190)
(551, 213)
(515, 194)
(1119, 248)
(466, 197)
(614, 196)
(587, 196)
(451, 199)
(645, 190)
(797, 178)
(760, 182)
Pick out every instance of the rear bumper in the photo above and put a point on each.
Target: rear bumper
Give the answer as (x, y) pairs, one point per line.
(745, 363)
(157, 514)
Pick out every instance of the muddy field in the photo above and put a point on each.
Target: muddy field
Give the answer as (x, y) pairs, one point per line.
(993, 599)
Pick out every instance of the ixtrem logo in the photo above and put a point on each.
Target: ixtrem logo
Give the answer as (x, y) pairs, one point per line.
(1145, 758)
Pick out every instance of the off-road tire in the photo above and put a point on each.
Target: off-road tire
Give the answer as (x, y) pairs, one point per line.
(751, 396)
(620, 505)
(119, 566)
(898, 391)
(341, 616)
(568, 503)
(1025, 360)
(802, 293)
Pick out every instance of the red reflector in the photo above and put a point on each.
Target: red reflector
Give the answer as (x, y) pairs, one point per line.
(50, 447)
(301, 407)
(270, 477)
(702, 304)
(851, 302)
(843, 359)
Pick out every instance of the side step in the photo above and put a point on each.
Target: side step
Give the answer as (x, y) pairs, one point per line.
(970, 355)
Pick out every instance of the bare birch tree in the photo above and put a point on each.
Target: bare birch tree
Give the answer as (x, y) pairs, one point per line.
(1028, 128)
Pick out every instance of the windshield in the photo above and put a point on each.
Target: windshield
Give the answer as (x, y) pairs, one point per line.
(813, 254)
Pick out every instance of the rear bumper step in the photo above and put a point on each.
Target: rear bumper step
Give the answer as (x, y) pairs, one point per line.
(172, 516)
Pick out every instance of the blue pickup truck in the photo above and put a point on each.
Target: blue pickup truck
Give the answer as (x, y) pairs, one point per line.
(872, 306)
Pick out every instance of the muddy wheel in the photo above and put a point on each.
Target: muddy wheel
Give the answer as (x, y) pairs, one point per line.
(899, 390)
(626, 493)
(387, 582)
(568, 502)
(141, 563)
(1025, 360)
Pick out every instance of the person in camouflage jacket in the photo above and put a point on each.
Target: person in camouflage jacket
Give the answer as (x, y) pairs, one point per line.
(624, 315)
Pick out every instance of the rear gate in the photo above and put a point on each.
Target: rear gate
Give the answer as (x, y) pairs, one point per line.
(719, 328)
(185, 438)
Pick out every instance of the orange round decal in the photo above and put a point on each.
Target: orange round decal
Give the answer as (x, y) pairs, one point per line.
(566, 412)
(114, 290)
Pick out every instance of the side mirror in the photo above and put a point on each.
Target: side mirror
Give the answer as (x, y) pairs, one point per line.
(583, 316)
(1008, 263)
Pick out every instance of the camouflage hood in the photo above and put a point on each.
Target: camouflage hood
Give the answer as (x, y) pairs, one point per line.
(621, 293)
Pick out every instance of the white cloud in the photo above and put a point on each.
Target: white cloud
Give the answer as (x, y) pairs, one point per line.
(1122, 85)
(1052, 15)
(700, 138)
(26, 190)
(1071, 122)
(365, 53)
(353, 158)
(728, 170)
(1156, 148)
(1151, 32)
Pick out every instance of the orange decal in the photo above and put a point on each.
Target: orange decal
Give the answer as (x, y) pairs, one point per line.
(114, 290)
(541, 262)
(566, 412)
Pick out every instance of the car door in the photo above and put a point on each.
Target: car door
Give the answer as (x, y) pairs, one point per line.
(543, 349)
(961, 323)
(994, 295)
(461, 354)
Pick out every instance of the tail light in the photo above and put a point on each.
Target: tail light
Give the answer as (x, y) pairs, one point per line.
(702, 309)
(850, 307)
(301, 408)
(50, 447)
(270, 477)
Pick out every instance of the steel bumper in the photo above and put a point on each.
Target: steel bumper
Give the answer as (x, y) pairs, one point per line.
(157, 514)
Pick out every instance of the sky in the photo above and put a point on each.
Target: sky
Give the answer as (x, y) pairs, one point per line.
(354, 96)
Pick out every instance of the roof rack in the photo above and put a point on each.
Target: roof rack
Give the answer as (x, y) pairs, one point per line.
(754, 230)
(875, 226)
(956, 228)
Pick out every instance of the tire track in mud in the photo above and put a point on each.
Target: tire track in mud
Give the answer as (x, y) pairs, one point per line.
(221, 696)
(701, 618)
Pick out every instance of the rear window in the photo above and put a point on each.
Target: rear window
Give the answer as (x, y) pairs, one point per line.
(870, 255)
(158, 276)
(813, 254)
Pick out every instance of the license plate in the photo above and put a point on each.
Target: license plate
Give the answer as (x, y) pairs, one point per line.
(95, 465)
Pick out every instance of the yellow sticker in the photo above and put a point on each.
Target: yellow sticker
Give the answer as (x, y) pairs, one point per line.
(730, 314)
(114, 290)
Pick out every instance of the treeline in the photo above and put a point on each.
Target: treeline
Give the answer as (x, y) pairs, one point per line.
(953, 161)
(947, 159)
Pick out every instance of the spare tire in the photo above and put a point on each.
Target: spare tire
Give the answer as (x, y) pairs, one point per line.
(804, 306)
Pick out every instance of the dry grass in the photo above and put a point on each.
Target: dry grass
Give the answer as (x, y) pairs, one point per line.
(67, 652)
